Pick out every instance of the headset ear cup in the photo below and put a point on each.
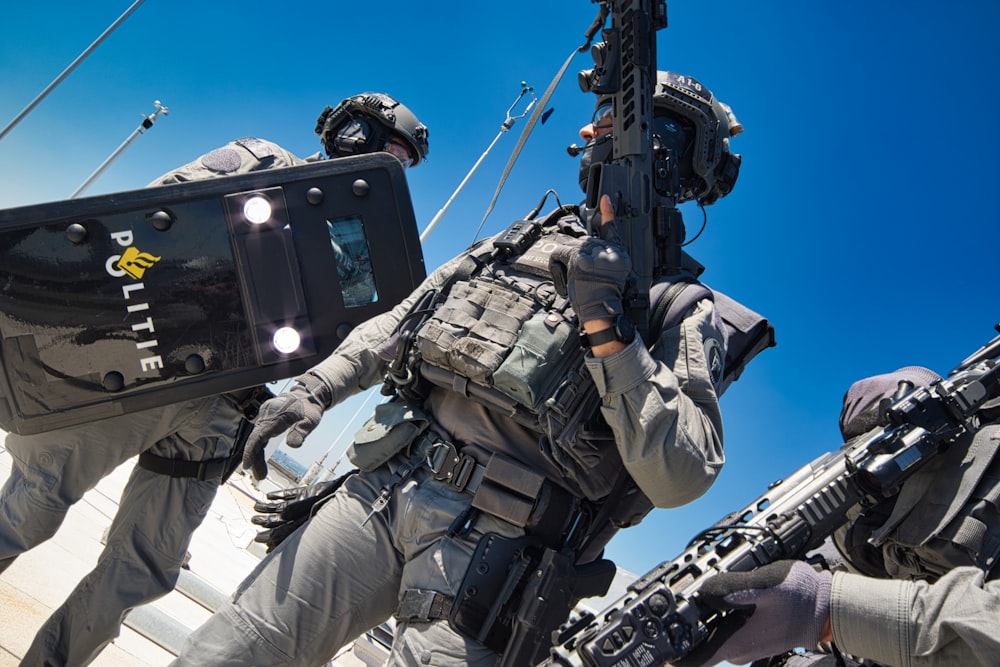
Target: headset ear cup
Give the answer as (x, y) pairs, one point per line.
(353, 138)
(727, 172)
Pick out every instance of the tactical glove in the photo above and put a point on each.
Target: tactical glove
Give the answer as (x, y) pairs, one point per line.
(300, 410)
(780, 606)
(290, 509)
(592, 273)
(865, 400)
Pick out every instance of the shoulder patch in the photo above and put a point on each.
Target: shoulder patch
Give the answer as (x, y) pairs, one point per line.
(225, 160)
(715, 358)
(259, 148)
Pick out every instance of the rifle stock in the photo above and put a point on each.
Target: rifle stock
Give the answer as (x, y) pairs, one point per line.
(660, 619)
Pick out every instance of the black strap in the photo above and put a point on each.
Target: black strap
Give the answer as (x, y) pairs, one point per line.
(664, 299)
(211, 470)
(748, 332)
(248, 401)
(423, 606)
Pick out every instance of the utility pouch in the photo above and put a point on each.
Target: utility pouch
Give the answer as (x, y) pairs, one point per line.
(547, 347)
(390, 430)
(523, 497)
(508, 490)
(474, 329)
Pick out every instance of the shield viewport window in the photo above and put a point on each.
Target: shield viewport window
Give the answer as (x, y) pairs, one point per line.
(354, 263)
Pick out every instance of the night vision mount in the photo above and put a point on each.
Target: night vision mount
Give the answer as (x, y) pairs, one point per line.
(132, 300)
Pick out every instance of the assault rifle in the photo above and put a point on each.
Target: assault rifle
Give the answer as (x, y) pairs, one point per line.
(660, 618)
(625, 72)
(649, 222)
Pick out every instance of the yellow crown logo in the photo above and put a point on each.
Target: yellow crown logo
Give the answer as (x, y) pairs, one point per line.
(135, 263)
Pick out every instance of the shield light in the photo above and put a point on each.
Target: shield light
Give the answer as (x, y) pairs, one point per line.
(286, 340)
(257, 210)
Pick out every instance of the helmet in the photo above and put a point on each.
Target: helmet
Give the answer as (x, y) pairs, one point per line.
(696, 126)
(709, 169)
(363, 123)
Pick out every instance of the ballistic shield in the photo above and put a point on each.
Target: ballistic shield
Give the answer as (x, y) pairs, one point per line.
(131, 300)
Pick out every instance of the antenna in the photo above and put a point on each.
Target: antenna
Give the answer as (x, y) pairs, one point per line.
(147, 122)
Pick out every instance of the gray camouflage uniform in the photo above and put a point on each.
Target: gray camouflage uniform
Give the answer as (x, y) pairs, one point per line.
(341, 574)
(157, 513)
(922, 587)
(941, 607)
(954, 621)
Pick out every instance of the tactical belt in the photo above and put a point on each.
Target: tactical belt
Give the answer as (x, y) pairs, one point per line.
(202, 471)
(449, 465)
(505, 489)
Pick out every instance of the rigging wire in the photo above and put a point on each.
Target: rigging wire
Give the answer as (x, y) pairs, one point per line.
(507, 124)
(599, 21)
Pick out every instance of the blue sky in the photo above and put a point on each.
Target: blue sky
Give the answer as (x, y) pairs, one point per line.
(863, 224)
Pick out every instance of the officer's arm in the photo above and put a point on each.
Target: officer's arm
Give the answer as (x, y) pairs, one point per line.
(950, 622)
(664, 411)
(670, 439)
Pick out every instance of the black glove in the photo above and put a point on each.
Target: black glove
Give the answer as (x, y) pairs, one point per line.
(290, 510)
(865, 399)
(781, 606)
(592, 274)
(299, 409)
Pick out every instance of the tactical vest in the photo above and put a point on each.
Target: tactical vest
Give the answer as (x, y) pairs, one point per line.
(501, 336)
(946, 516)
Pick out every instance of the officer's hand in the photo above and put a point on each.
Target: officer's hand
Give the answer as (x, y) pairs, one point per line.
(300, 410)
(780, 606)
(593, 273)
(290, 509)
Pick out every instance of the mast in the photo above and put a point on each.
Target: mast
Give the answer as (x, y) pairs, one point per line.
(66, 72)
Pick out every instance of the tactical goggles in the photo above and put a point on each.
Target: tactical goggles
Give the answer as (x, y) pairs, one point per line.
(400, 150)
(603, 117)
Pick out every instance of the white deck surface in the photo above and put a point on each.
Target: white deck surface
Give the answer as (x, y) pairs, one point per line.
(222, 553)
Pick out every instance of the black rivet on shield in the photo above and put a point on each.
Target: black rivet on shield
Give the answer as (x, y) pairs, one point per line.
(314, 196)
(113, 381)
(344, 330)
(194, 364)
(76, 233)
(361, 187)
(162, 220)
